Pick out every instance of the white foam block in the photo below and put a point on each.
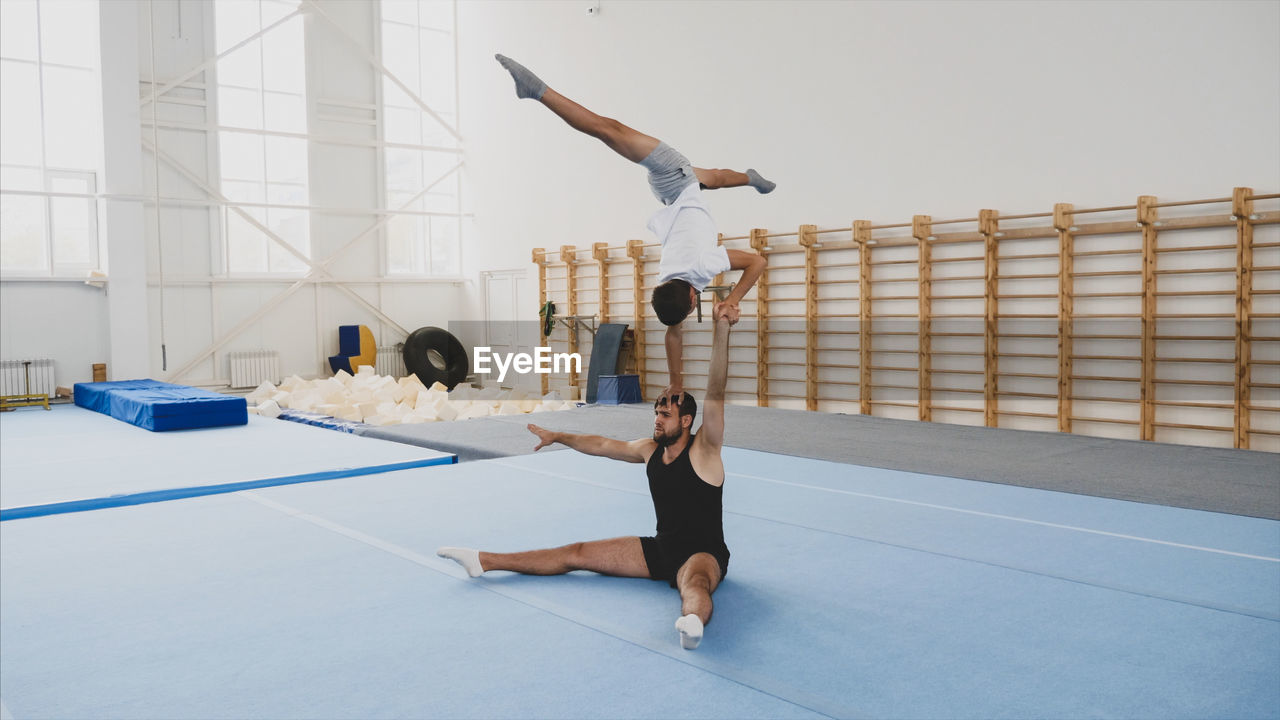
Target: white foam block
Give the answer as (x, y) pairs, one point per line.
(477, 410)
(446, 411)
(367, 408)
(262, 392)
(269, 408)
(509, 407)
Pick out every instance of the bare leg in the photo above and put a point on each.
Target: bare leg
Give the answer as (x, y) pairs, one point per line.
(696, 580)
(622, 557)
(716, 179)
(627, 142)
(630, 144)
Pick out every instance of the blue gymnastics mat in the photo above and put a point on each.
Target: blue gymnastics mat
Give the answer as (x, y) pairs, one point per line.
(72, 459)
(852, 592)
(160, 406)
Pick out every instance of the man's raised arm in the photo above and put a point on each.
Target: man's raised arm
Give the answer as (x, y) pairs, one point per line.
(712, 430)
(674, 342)
(636, 451)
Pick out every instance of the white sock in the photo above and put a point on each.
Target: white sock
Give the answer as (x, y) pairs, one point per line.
(466, 557)
(690, 627)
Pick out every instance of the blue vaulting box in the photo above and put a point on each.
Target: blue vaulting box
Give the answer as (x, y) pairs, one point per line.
(619, 389)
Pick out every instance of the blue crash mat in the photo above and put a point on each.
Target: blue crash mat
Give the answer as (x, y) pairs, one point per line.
(159, 406)
(604, 355)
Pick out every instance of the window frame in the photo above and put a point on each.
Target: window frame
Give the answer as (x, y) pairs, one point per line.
(424, 251)
(47, 173)
(262, 206)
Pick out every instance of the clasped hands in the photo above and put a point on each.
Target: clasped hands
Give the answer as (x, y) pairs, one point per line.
(728, 310)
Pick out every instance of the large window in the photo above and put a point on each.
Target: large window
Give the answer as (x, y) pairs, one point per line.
(50, 136)
(421, 149)
(262, 99)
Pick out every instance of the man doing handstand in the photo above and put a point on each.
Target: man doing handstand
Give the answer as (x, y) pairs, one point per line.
(686, 480)
(691, 254)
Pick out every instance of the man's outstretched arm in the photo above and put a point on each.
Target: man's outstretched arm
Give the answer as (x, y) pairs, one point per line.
(636, 451)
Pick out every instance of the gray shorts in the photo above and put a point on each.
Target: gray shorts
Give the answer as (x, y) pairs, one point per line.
(669, 173)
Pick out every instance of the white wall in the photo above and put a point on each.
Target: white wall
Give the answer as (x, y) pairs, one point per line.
(869, 110)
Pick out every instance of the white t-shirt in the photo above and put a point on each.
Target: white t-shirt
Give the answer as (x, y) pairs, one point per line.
(690, 244)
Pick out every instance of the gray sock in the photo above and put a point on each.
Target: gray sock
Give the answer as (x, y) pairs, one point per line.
(759, 183)
(527, 84)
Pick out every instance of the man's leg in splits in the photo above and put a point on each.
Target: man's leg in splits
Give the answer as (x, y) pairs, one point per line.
(630, 144)
(622, 557)
(716, 179)
(627, 142)
(696, 580)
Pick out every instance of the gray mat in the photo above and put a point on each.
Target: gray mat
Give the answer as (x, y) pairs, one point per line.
(1240, 482)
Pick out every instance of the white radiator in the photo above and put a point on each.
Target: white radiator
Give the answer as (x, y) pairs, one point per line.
(391, 361)
(251, 368)
(14, 375)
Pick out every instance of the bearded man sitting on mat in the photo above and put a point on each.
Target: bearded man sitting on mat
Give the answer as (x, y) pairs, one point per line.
(686, 479)
(691, 253)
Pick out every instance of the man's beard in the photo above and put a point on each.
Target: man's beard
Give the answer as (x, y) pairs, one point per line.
(665, 440)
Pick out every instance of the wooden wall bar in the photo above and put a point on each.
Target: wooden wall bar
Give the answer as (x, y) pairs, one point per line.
(1170, 281)
(1063, 224)
(991, 328)
(922, 230)
(540, 258)
(1147, 219)
(808, 240)
(568, 254)
(1242, 210)
(635, 251)
(862, 236)
(759, 241)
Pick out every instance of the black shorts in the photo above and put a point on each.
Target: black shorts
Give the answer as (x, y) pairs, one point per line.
(666, 556)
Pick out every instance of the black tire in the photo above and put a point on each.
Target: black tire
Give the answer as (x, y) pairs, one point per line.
(435, 355)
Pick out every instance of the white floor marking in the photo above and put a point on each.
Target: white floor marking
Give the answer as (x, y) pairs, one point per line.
(949, 508)
(1013, 518)
(447, 567)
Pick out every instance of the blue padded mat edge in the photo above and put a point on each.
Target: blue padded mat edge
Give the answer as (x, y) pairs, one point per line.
(160, 406)
(156, 496)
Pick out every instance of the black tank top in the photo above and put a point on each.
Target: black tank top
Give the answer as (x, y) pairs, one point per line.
(689, 510)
